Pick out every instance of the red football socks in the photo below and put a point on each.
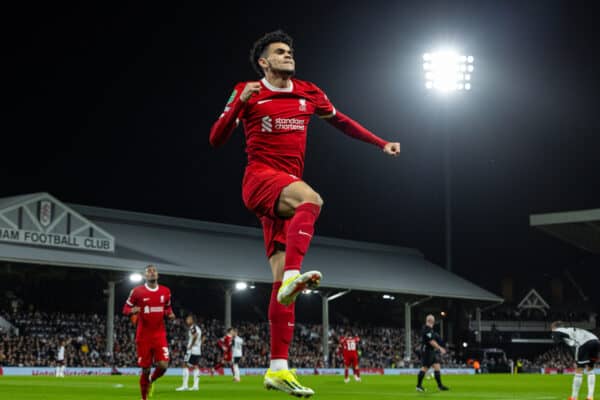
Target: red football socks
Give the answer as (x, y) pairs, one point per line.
(281, 321)
(144, 384)
(299, 234)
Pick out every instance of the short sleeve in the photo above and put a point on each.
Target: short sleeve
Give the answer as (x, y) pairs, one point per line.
(427, 335)
(168, 303)
(132, 300)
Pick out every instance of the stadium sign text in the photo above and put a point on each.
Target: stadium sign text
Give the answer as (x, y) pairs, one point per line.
(56, 240)
(41, 220)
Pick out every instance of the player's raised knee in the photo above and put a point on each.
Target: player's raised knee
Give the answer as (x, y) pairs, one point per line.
(163, 364)
(314, 198)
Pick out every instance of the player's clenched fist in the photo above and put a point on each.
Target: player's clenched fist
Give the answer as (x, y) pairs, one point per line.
(392, 148)
(250, 89)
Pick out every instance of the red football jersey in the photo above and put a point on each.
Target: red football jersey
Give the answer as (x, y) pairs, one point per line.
(276, 121)
(225, 344)
(349, 344)
(154, 305)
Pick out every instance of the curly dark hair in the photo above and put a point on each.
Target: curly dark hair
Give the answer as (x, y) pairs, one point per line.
(261, 45)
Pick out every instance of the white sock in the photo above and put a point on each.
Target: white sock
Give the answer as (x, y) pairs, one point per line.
(236, 371)
(289, 273)
(196, 377)
(57, 371)
(278, 364)
(591, 378)
(576, 385)
(186, 376)
(62, 371)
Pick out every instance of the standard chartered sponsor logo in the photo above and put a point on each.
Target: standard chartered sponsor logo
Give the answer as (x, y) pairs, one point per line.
(267, 124)
(289, 124)
(148, 309)
(281, 124)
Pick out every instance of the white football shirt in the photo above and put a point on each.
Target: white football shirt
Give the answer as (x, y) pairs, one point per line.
(237, 346)
(195, 348)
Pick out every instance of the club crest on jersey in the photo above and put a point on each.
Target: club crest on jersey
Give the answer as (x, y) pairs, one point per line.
(302, 104)
(45, 213)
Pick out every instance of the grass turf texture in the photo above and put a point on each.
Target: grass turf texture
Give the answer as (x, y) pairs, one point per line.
(486, 387)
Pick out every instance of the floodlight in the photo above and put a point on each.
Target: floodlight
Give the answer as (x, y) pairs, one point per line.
(447, 70)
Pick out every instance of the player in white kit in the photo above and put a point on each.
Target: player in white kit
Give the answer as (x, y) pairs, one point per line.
(192, 355)
(587, 349)
(60, 360)
(238, 342)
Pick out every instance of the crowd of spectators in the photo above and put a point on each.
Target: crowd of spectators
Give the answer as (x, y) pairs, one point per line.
(39, 334)
(559, 357)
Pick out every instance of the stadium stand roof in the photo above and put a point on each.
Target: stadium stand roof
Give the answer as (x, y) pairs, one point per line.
(227, 252)
(579, 228)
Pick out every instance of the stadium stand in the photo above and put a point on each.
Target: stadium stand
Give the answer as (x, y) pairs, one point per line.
(39, 334)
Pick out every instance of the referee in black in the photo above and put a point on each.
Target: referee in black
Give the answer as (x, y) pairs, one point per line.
(431, 348)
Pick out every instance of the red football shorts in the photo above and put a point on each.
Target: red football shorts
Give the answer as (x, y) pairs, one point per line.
(261, 188)
(351, 360)
(151, 351)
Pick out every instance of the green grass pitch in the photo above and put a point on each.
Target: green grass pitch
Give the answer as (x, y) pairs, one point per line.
(486, 387)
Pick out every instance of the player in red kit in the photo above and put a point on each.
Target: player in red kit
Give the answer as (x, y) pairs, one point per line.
(225, 347)
(275, 113)
(349, 349)
(148, 305)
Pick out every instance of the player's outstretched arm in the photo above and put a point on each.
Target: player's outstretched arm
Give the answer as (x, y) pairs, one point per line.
(222, 130)
(353, 129)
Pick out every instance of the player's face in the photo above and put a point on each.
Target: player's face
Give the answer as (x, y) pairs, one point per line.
(279, 58)
(430, 321)
(151, 274)
(189, 321)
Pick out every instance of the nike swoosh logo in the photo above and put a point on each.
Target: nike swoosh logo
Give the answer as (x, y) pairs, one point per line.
(263, 101)
(290, 324)
(147, 298)
(301, 232)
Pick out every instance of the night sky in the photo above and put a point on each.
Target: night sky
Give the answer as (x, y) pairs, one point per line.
(111, 106)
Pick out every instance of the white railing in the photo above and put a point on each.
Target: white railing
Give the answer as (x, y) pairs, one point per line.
(525, 326)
